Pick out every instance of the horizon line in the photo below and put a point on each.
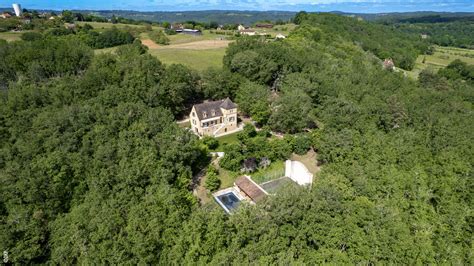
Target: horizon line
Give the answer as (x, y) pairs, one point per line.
(242, 10)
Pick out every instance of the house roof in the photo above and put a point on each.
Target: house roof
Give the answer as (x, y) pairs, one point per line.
(228, 104)
(213, 109)
(251, 189)
(247, 30)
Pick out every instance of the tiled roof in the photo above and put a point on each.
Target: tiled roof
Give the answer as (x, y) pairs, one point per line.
(228, 104)
(250, 188)
(213, 109)
(206, 110)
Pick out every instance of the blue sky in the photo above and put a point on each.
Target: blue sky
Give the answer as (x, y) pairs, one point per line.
(359, 6)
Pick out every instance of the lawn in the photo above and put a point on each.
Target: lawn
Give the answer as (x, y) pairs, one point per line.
(197, 59)
(185, 38)
(274, 171)
(227, 178)
(227, 139)
(441, 58)
(11, 36)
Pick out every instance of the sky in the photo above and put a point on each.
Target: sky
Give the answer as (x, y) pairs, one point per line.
(355, 6)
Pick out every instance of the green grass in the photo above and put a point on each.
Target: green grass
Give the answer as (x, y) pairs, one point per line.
(441, 58)
(228, 139)
(274, 171)
(185, 38)
(227, 178)
(11, 36)
(197, 59)
(105, 50)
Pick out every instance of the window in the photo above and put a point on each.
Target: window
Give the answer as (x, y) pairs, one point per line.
(194, 114)
(213, 112)
(194, 122)
(231, 119)
(204, 114)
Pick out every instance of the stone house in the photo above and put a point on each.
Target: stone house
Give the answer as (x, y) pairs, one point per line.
(214, 118)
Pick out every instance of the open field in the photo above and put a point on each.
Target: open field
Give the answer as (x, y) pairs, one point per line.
(441, 58)
(10, 36)
(197, 59)
(185, 38)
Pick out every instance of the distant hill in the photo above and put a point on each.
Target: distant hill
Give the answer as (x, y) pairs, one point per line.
(220, 16)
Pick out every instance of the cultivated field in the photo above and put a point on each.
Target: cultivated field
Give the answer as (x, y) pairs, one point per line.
(197, 52)
(441, 58)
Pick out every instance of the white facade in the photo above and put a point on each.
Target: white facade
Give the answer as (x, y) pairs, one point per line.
(298, 172)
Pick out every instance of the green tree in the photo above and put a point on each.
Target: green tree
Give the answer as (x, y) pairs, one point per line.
(291, 112)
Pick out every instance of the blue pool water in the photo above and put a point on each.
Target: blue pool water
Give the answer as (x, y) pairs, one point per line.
(229, 200)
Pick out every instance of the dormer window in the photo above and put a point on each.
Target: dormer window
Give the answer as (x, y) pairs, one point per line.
(213, 112)
(204, 114)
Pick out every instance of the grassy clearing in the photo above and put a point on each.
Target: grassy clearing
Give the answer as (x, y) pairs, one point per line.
(185, 38)
(274, 171)
(11, 36)
(227, 139)
(197, 59)
(105, 50)
(441, 58)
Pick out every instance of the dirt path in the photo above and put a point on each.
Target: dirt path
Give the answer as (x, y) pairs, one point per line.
(150, 44)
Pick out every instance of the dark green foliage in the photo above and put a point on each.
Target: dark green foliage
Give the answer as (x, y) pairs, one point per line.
(291, 112)
(210, 142)
(233, 157)
(219, 84)
(302, 144)
(94, 169)
(31, 36)
(383, 41)
(458, 70)
(45, 58)
(456, 33)
(159, 37)
(300, 17)
(253, 100)
(212, 180)
(110, 38)
(86, 148)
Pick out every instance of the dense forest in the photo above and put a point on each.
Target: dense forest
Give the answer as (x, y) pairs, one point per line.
(381, 40)
(94, 169)
(445, 29)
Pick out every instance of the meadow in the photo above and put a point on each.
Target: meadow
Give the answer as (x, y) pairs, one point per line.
(441, 58)
(10, 36)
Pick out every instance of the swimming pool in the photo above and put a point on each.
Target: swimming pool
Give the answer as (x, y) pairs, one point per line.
(228, 201)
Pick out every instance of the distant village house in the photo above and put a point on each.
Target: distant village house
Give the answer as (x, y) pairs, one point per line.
(5, 15)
